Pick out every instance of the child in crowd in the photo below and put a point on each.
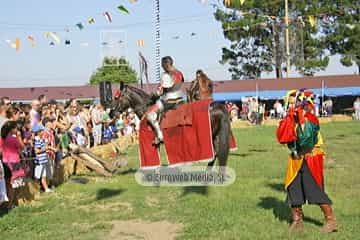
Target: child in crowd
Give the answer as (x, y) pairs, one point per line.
(64, 142)
(27, 139)
(41, 157)
(120, 125)
(49, 138)
(11, 144)
(80, 138)
(108, 133)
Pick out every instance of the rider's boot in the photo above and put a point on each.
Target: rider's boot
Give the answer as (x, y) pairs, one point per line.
(152, 119)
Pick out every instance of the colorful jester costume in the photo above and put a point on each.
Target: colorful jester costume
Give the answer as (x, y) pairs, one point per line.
(300, 130)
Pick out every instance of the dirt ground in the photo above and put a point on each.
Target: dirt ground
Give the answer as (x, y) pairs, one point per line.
(138, 229)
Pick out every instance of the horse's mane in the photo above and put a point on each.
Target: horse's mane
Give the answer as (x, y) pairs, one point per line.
(142, 94)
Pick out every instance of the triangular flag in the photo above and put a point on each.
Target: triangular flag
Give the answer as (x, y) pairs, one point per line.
(108, 17)
(123, 9)
(350, 26)
(32, 40)
(80, 26)
(17, 44)
(312, 20)
(140, 43)
(53, 36)
(91, 20)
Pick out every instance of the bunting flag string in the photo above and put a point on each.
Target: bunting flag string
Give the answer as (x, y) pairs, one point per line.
(262, 21)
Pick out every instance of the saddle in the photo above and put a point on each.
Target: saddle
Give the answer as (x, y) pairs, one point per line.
(180, 115)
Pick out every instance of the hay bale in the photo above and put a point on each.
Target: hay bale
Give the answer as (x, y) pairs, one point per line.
(108, 152)
(271, 122)
(80, 168)
(240, 124)
(341, 118)
(29, 192)
(63, 171)
(69, 166)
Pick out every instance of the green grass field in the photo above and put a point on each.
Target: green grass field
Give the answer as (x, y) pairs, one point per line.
(252, 208)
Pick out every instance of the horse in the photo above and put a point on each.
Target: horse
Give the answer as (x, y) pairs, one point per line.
(201, 88)
(139, 101)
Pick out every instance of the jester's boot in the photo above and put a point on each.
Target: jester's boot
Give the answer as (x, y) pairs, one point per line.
(330, 219)
(297, 224)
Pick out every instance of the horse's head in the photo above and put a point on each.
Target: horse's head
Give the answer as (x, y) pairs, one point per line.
(131, 97)
(193, 93)
(201, 83)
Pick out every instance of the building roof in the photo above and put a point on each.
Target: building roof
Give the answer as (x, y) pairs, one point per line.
(224, 90)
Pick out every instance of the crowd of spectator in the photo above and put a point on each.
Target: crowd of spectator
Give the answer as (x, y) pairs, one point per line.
(36, 137)
(252, 110)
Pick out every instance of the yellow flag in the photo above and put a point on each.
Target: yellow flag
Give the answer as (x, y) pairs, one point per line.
(312, 20)
(16, 45)
(228, 2)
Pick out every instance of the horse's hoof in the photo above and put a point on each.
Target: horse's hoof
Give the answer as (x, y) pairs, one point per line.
(157, 142)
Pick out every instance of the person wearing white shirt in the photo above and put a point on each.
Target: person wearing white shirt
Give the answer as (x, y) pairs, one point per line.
(357, 108)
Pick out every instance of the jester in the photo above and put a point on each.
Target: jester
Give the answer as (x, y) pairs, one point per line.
(304, 181)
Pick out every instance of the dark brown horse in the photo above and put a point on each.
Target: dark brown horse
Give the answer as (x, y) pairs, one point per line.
(137, 99)
(201, 88)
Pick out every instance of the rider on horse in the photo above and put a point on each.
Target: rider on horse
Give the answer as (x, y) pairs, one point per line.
(171, 93)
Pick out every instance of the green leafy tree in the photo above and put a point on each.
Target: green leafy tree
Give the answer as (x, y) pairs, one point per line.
(114, 70)
(256, 30)
(344, 36)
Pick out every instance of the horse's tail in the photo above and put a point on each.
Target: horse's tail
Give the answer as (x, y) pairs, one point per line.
(223, 136)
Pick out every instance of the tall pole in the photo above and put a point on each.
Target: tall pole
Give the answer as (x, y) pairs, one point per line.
(287, 38)
(141, 71)
(157, 40)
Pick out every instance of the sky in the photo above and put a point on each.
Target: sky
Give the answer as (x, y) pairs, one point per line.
(62, 65)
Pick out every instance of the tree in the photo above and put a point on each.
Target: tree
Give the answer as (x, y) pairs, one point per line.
(344, 36)
(114, 70)
(256, 31)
